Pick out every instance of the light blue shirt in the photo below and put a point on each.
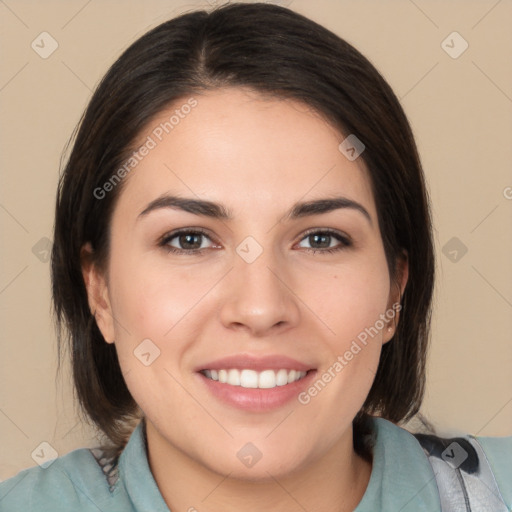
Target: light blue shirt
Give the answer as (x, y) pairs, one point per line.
(402, 479)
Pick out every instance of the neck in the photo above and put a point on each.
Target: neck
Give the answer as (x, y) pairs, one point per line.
(336, 481)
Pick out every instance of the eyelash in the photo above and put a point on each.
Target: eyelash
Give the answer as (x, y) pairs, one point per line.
(164, 241)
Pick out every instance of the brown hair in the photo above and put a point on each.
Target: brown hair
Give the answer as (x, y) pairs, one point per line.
(277, 52)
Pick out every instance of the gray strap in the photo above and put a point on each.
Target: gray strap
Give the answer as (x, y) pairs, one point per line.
(463, 475)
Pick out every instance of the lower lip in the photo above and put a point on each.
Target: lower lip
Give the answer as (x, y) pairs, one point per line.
(256, 399)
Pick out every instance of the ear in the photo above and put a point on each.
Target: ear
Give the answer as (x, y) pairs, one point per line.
(395, 294)
(97, 294)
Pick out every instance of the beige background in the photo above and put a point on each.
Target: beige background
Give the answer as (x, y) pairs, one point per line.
(460, 110)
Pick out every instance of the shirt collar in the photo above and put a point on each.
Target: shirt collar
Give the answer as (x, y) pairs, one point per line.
(136, 475)
(402, 477)
(401, 474)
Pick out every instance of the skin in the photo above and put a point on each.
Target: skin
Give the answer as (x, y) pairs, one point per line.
(257, 156)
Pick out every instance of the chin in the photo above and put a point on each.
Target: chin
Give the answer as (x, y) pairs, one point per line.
(251, 465)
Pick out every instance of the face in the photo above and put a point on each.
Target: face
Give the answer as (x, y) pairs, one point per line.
(271, 292)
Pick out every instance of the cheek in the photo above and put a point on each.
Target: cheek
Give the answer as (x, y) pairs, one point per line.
(149, 299)
(349, 299)
(352, 305)
(152, 307)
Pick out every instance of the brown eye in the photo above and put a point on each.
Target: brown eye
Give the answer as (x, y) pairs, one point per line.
(325, 241)
(185, 241)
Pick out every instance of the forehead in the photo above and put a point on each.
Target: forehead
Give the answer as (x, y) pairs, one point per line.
(248, 151)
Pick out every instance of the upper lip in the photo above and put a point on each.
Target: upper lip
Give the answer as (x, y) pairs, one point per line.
(257, 363)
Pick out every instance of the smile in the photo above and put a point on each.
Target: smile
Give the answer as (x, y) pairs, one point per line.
(252, 379)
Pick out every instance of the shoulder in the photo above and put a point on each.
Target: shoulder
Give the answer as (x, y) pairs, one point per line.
(498, 451)
(407, 469)
(471, 470)
(72, 482)
(402, 478)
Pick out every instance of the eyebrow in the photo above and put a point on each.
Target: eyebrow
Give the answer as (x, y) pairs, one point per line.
(219, 211)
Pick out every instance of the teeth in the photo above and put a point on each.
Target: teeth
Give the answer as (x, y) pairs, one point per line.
(234, 377)
(248, 379)
(282, 377)
(292, 376)
(252, 379)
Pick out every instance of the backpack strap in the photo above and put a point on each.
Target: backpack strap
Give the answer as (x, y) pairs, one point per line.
(463, 475)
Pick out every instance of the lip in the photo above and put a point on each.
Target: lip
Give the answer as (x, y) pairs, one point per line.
(256, 399)
(251, 362)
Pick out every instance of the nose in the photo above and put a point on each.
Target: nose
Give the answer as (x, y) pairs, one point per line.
(258, 297)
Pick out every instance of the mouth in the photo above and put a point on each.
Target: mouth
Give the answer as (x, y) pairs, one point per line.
(255, 383)
(248, 378)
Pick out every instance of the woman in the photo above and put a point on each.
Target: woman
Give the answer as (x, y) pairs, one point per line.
(243, 268)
